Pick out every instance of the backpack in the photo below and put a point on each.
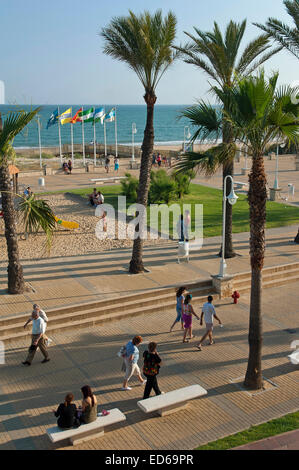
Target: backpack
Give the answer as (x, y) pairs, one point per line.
(150, 367)
(122, 351)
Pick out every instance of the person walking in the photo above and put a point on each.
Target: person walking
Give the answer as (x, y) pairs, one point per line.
(179, 306)
(70, 166)
(107, 164)
(43, 315)
(187, 318)
(209, 313)
(38, 339)
(151, 367)
(131, 357)
(116, 164)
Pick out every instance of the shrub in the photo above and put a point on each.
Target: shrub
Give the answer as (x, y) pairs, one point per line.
(162, 188)
(183, 181)
(130, 187)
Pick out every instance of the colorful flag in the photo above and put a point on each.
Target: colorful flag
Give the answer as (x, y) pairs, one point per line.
(86, 116)
(110, 117)
(53, 118)
(99, 114)
(66, 116)
(76, 117)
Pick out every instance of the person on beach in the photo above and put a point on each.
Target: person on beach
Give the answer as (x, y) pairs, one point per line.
(159, 160)
(88, 409)
(65, 168)
(154, 159)
(130, 358)
(179, 306)
(151, 366)
(38, 339)
(209, 313)
(107, 164)
(28, 192)
(187, 318)
(92, 196)
(66, 413)
(116, 164)
(70, 166)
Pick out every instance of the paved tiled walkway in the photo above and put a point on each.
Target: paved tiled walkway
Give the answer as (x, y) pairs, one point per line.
(89, 357)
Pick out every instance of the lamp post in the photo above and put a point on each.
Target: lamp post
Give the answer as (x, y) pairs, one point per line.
(232, 199)
(40, 144)
(276, 186)
(134, 131)
(187, 135)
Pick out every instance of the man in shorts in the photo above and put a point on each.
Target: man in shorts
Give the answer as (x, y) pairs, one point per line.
(209, 313)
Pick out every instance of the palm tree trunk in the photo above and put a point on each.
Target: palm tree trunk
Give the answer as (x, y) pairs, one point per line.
(16, 284)
(228, 169)
(257, 197)
(136, 263)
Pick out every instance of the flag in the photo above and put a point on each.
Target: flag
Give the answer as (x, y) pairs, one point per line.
(86, 116)
(53, 118)
(99, 114)
(66, 116)
(110, 117)
(76, 117)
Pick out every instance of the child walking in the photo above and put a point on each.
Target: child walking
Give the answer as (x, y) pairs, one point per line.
(187, 318)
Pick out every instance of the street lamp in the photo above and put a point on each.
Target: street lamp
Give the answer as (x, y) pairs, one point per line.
(232, 199)
(276, 171)
(134, 131)
(187, 135)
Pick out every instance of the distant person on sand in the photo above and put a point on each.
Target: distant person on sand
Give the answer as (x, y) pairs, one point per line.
(116, 164)
(92, 196)
(179, 306)
(70, 166)
(131, 357)
(107, 164)
(154, 160)
(159, 160)
(187, 318)
(28, 192)
(209, 313)
(65, 168)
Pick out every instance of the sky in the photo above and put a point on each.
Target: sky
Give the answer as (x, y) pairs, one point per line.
(52, 53)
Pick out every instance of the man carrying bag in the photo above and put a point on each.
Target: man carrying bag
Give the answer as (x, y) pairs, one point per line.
(38, 339)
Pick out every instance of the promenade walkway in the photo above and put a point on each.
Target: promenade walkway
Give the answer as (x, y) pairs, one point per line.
(88, 356)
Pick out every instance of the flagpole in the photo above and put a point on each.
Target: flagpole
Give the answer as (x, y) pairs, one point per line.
(83, 142)
(105, 141)
(40, 145)
(94, 144)
(59, 133)
(72, 141)
(116, 153)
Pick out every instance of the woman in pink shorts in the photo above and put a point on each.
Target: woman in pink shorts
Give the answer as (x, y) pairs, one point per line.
(187, 318)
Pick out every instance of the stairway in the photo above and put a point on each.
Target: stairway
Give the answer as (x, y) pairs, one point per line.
(101, 311)
(271, 277)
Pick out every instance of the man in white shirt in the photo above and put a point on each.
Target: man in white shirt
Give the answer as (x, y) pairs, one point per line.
(38, 339)
(209, 313)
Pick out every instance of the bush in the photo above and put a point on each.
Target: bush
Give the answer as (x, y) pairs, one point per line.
(162, 189)
(183, 181)
(130, 187)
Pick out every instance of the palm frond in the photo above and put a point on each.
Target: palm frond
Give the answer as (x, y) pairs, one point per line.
(12, 125)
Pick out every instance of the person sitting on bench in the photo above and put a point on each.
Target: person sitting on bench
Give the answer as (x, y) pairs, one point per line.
(89, 406)
(67, 413)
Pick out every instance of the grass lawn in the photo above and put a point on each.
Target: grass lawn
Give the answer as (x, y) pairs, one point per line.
(255, 433)
(278, 214)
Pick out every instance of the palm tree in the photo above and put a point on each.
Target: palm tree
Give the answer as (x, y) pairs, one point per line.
(144, 43)
(219, 57)
(260, 114)
(12, 125)
(283, 34)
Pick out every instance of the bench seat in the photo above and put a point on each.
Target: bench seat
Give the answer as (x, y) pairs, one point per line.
(239, 184)
(86, 432)
(171, 402)
(108, 180)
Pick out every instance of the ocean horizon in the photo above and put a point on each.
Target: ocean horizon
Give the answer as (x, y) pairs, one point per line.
(169, 129)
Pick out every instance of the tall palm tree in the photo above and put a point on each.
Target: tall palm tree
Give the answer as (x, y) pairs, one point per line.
(285, 35)
(219, 57)
(144, 43)
(12, 125)
(260, 114)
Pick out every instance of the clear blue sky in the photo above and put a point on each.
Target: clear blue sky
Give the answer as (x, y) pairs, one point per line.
(51, 51)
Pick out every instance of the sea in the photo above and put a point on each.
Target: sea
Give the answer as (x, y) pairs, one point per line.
(169, 128)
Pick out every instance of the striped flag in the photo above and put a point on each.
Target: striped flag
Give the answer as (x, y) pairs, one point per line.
(110, 117)
(53, 118)
(99, 114)
(86, 116)
(66, 116)
(76, 117)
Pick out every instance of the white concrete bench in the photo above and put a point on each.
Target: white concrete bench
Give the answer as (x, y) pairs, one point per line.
(294, 357)
(171, 402)
(240, 184)
(108, 180)
(86, 432)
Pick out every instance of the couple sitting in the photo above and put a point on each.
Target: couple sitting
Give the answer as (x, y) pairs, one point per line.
(69, 416)
(96, 198)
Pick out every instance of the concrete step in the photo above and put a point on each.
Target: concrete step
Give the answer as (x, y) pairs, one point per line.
(268, 283)
(12, 334)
